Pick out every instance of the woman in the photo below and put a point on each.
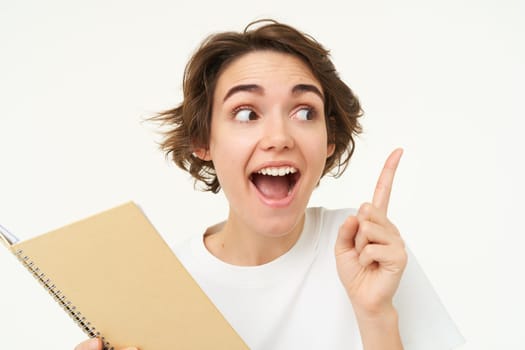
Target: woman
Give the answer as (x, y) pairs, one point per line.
(264, 117)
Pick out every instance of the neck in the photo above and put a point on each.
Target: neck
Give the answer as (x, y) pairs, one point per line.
(235, 244)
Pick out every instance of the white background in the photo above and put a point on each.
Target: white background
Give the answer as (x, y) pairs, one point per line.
(443, 79)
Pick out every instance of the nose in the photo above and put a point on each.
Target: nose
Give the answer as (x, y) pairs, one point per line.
(277, 135)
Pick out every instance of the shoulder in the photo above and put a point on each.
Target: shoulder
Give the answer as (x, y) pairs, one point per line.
(186, 249)
(330, 217)
(326, 222)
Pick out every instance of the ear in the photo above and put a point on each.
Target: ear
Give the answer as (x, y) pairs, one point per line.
(330, 149)
(202, 153)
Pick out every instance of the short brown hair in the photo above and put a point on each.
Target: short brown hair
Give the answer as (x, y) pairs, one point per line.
(190, 122)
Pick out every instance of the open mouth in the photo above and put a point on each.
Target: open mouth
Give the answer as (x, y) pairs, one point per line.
(275, 182)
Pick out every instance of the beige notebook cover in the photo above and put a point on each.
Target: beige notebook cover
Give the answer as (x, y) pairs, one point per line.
(119, 280)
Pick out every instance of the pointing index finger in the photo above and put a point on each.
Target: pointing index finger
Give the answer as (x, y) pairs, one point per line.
(385, 181)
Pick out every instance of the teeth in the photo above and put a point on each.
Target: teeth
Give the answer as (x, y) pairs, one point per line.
(277, 171)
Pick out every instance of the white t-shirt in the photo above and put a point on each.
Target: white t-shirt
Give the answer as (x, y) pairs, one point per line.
(298, 302)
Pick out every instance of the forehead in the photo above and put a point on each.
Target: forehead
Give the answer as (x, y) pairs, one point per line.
(266, 68)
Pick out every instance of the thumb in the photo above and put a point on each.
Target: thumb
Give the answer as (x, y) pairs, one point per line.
(90, 344)
(346, 236)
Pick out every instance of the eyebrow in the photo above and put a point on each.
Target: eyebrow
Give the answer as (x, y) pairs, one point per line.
(302, 88)
(296, 90)
(248, 87)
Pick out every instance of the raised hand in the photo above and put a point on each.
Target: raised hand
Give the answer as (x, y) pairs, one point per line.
(369, 251)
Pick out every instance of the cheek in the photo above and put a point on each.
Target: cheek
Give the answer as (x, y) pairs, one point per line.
(316, 150)
(317, 142)
(231, 144)
(230, 150)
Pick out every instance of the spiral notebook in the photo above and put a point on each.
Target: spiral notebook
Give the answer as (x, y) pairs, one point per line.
(118, 280)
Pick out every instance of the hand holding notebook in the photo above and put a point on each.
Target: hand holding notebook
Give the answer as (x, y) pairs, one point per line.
(96, 344)
(133, 292)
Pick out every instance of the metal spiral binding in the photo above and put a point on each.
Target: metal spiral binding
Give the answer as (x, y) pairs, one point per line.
(61, 299)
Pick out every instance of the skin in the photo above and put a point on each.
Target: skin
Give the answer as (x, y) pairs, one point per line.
(96, 344)
(369, 251)
(257, 231)
(371, 257)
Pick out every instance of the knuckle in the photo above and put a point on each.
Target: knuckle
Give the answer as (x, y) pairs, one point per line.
(360, 241)
(365, 210)
(365, 227)
(402, 243)
(348, 221)
(403, 257)
(342, 227)
(398, 241)
(394, 228)
(368, 250)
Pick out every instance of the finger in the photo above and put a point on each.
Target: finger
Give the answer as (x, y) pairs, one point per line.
(389, 256)
(370, 232)
(368, 212)
(346, 235)
(386, 178)
(90, 344)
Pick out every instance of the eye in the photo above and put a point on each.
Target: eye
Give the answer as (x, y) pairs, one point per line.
(244, 114)
(305, 113)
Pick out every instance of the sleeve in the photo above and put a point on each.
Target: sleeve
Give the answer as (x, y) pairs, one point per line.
(424, 323)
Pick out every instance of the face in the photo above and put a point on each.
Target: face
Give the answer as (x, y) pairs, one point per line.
(268, 141)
